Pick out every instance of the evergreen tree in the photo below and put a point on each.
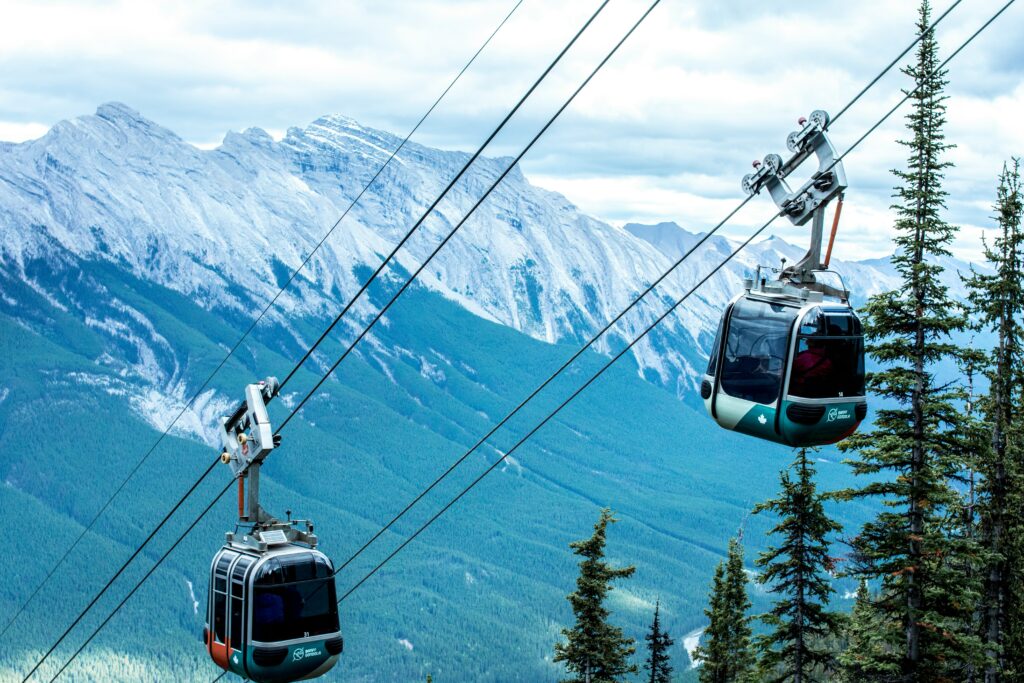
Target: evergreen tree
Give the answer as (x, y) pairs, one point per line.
(726, 655)
(974, 442)
(998, 304)
(914, 453)
(658, 644)
(595, 651)
(864, 658)
(796, 569)
(712, 652)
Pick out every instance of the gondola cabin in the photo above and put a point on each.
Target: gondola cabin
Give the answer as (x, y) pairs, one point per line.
(272, 614)
(787, 366)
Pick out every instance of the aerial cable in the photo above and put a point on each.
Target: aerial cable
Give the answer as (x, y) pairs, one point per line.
(121, 570)
(465, 218)
(891, 64)
(558, 409)
(465, 167)
(362, 289)
(408, 282)
(482, 440)
(619, 355)
(607, 365)
(138, 585)
(266, 309)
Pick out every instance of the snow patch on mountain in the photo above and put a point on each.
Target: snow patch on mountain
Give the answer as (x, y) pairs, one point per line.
(227, 226)
(691, 641)
(200, 419)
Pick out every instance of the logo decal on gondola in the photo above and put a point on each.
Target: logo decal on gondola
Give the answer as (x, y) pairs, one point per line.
(762, 419)
(838, 414)
(301, 653)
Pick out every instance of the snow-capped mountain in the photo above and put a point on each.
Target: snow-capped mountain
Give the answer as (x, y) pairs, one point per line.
(226, 226)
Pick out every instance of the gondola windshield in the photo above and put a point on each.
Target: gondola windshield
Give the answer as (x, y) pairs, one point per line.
(755, 350)
(294, 598)
(829, 360)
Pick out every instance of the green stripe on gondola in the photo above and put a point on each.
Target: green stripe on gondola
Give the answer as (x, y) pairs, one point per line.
(837, 421)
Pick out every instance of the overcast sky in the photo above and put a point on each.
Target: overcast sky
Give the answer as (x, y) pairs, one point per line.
(665, 132)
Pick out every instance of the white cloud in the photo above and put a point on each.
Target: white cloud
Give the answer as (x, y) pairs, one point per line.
(664, 132)
(12, 131)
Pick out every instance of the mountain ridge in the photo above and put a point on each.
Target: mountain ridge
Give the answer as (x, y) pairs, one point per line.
(227, 226)
(128, 270)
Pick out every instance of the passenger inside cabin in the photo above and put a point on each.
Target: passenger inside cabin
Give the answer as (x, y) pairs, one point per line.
(268, 608)
(812, 369)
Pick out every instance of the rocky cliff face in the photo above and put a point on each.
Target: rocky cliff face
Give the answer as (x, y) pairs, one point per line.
(226, 227)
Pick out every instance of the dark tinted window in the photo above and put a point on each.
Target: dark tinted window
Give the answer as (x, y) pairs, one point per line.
(713, 361)
(294, 610)
(841, 323)
(236, 613)
(294, 597)
(291, 568)
(220, 605)
(220, 598)
(755, 350)
(828, 367)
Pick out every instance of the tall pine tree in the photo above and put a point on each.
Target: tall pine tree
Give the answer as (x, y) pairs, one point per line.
(914, 453)
(864, 657)
(725, 653)
(998, 302)
(796, 570)
(658, 665)
(595, 651)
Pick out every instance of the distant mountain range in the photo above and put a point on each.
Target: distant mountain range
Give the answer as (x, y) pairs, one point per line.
(130, 261)
(226, 227)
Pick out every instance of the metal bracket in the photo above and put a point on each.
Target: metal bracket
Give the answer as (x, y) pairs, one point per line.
(247, 435)
(262, 536)
(827, 182)
(807, 203)
(802, 272)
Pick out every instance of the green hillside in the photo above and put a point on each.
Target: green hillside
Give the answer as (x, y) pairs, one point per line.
(479, 596)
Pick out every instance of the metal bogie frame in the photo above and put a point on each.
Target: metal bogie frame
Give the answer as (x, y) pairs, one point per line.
(248, 438)
(247, 435)
(807, 203)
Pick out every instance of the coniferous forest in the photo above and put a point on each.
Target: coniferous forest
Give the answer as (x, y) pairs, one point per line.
(631, 540)
(940, 567)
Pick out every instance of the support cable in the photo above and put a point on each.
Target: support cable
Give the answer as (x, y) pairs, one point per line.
(607, 365)
(891, 64)
(138, 585)
(245, 335)
(337, 319)
(557, 410)
(408, 282)
(444, 193)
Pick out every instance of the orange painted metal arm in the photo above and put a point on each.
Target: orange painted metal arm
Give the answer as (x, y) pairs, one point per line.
(835, 227)
(241, 497)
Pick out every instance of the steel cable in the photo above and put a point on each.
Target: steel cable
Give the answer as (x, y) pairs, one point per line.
(252, 326)
(594, 377)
